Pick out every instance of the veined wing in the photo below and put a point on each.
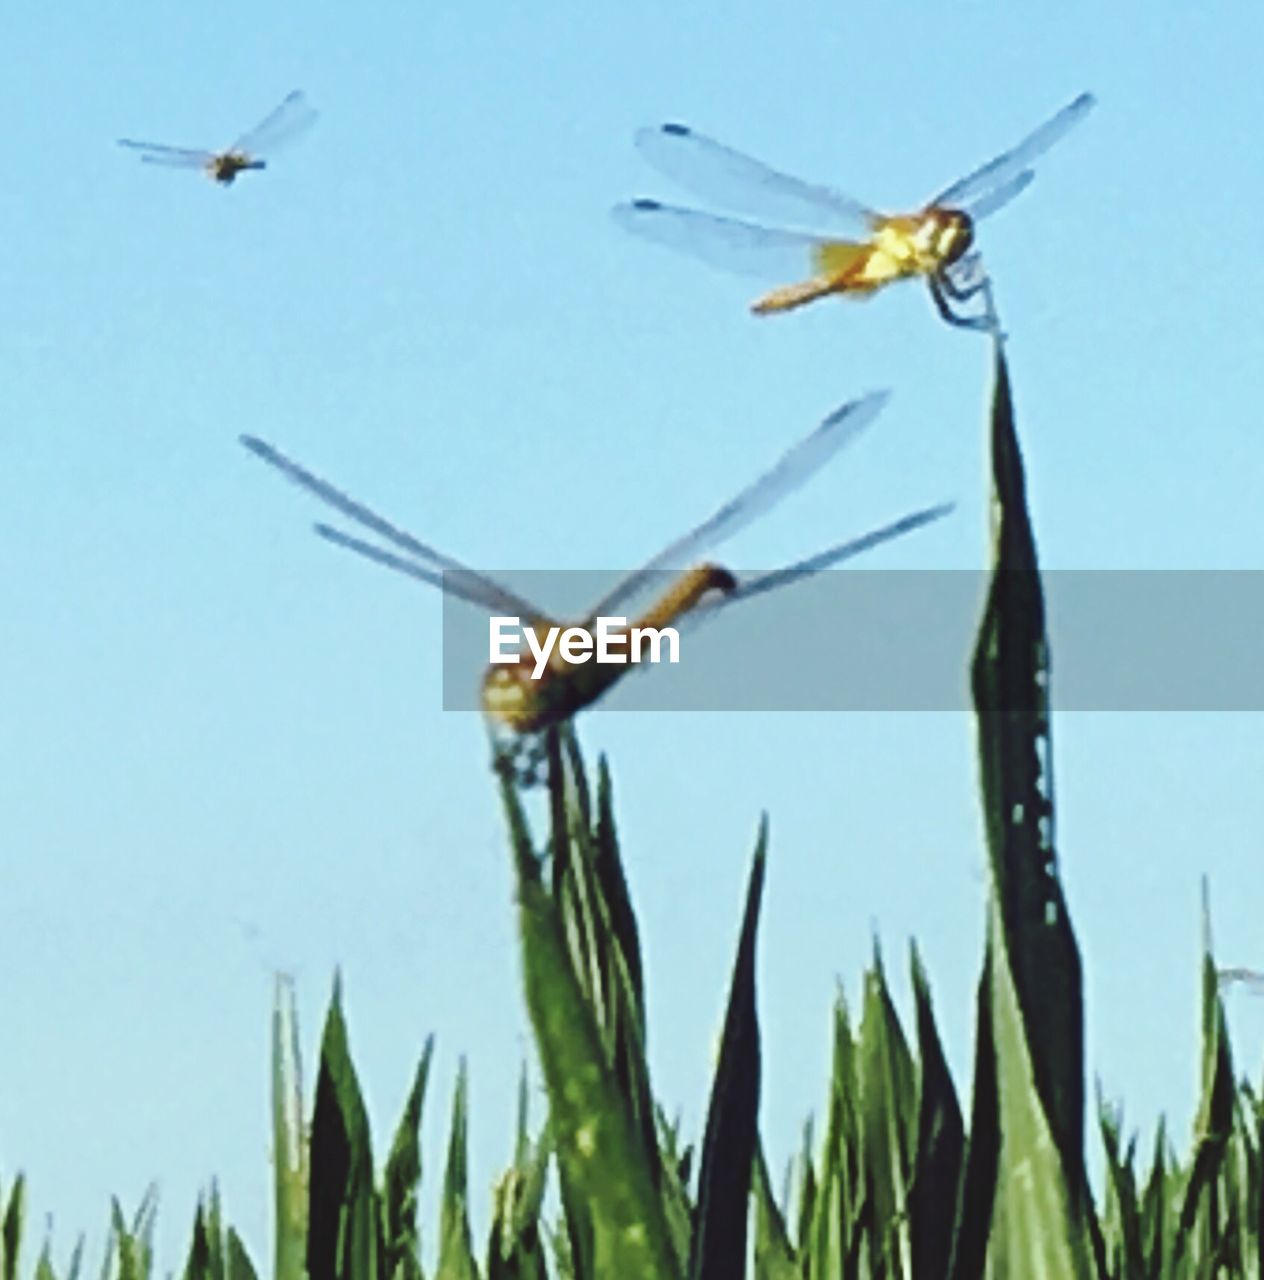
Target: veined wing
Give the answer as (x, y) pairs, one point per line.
(831, 557)
(999, 170)
(795, 466)
(284, 123)
(998, 197)
(176, 157)
(427, 563)
(745, 185)
(767, 253)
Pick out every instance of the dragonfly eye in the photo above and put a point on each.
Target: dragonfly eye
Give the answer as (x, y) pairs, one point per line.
(956, 235)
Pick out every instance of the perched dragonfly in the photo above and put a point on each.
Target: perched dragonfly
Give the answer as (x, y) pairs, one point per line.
(281, 125)
(889, 247)
(512, 698)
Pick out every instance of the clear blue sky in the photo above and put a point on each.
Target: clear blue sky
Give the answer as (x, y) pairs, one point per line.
(222, 748)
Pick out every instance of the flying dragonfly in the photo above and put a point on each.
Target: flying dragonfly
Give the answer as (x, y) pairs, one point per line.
(888, 247)
(283, 124)
(512, 698)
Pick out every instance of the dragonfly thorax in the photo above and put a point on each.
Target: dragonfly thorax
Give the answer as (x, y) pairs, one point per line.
(225, 167)
(947, 233)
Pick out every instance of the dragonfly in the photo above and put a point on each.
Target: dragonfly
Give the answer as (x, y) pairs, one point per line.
(293, 116)
(514, 698)
(934, 243)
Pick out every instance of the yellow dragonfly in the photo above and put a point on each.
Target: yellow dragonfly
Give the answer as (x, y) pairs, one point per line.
(281, 125)
(524, 701)
(929, 243)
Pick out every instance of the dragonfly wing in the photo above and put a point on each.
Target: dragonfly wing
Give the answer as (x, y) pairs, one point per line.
(743, 248)
(796, 465)
(833, 556)
(284, 123)
(176, 157)
(1003, 167)
(745, 185)
(435, 562)
(987, 204)
(465, 584)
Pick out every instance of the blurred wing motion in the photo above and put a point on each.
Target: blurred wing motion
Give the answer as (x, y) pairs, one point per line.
(1012, 166)
(283, 124)
(767, 253)
(176, 157)
(422, 562)
(794, 468)
(745, 185)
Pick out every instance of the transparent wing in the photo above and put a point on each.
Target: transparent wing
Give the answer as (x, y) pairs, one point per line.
(986, 205)
(462, 581)
(832, 556)
(284, 123)
(744, 248)
(465, 584)
(1252, 979)
(745, 185)
(796, 465)
(176, 157)
(1003, 167)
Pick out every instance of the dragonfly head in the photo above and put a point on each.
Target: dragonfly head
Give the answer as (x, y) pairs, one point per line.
(951, 233)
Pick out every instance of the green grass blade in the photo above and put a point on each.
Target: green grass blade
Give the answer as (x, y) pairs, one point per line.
(1046, 1218)
(940, 1153)
(198, 1264)
(774, 1255)
(400, 1181)
(11, 1229)
(516, 1246)
(983, 1151)
(602, 1157)
(342, 1222)
(1201, 1229)
(887, 1121)
(456, 1250)
(237, 1261)
(718, 1250)
(289, 1141)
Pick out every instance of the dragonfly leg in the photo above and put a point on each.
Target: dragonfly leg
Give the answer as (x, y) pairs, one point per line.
(961, 293)
(974, 276)
(520, 759)
(940, 297)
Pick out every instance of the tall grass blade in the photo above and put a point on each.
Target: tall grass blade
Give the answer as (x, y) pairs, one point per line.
(940, 1151)
(342, 1239)
(456, 1249)
(774, 1255)
(887, 1123)
(1045, 1221)
(11, 1229)
(289, 1139)
(601, 1154)
(718, 1250)
(401, 1248)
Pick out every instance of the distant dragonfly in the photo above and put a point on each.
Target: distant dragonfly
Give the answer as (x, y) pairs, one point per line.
(281, 125)
(511, 698)
(927, 243)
